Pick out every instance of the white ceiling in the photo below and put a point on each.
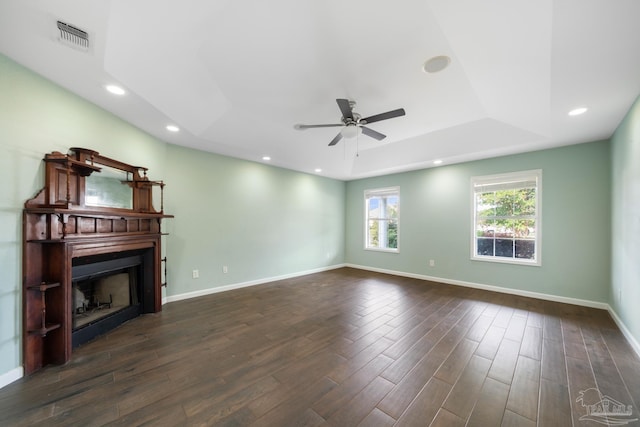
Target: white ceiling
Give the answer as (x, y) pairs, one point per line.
(236, 76)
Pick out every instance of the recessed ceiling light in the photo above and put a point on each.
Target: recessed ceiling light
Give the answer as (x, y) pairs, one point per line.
(437, 162)
(116, 90)
(578, 111)
(435, 64)
(266, 158)
(318, 170)
(173, 128)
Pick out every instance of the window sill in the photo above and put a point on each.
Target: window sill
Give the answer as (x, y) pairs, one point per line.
(391, 251)
(529, 263)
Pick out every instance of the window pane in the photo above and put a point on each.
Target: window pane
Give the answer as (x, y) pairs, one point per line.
(524, 201)
(504, 202)
(373, 207)
(484, 247)
(525, 228)
(525, 249)
(392, 235)
(485, 204)
(504, 248)
(485, 228)
(392, 207)
(373, 234)
(505, 227)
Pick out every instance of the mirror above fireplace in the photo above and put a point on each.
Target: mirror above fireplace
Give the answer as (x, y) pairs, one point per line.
(109, 189)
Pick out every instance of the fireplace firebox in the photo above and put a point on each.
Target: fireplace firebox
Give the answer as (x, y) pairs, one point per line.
(108, 290)
(91, 253)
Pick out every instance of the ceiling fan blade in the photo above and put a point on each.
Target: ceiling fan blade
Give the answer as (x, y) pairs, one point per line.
(335, 140)
(372, 133)
(303, 127)
(345, 108)
(384, 116)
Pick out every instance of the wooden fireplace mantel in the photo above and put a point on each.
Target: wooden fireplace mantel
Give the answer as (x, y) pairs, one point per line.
(59, 225)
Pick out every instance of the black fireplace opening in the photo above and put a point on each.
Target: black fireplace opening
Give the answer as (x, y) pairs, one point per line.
(108, 290)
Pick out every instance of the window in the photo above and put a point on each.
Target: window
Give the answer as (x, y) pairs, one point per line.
(506, 217)
(382, 207)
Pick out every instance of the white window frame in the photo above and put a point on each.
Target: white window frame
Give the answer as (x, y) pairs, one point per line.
(501, 182)
(378, 192)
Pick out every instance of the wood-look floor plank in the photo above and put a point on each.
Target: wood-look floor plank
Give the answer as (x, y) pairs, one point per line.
(211, 410)
(511, 419)
(377, 418)
(480, 327)
(555, 407)
(355, 410)
(624, 356)
(398, 399)
(466, 391)
(426, 404)
(445, 418)
(580, 380)
(608, 378)
(490, 407)
(340, 372)
(504, 362)
(407, 361)
(503, 317)
(531, 346)
(293, 407)
(490, 342)
(343, 393)
(515, 329)
(553, 364)
(421, 331)
(552, 328)
(523, 395)
(452, 367)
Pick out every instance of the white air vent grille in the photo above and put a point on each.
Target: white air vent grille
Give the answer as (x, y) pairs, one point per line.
(73, 36)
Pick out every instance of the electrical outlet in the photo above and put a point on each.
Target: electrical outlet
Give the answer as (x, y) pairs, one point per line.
(195, 274)
(225, 269)
(432, 263)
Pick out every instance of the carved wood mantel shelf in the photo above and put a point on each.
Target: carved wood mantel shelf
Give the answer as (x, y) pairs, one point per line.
(90, 205)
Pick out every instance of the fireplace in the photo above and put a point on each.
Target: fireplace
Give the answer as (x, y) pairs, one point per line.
(108, 290)
(91, 253)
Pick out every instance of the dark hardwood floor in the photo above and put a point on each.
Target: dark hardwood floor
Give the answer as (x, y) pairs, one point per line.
(340, 348)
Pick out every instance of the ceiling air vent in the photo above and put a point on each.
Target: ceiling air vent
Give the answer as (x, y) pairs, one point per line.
(73, 36)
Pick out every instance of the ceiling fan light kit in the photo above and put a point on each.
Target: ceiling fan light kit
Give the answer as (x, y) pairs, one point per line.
(350, 131)
(353, 124)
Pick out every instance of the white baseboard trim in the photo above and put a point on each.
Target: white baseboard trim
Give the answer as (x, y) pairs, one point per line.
(625, 331)
(537, 295)
(209, 291)
(11, 376)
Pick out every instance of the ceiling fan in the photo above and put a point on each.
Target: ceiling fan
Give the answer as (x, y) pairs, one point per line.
(353, 123)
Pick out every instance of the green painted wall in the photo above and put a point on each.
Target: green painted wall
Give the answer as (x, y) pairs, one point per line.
(435, 223)
(625, 251)
(258, 220)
